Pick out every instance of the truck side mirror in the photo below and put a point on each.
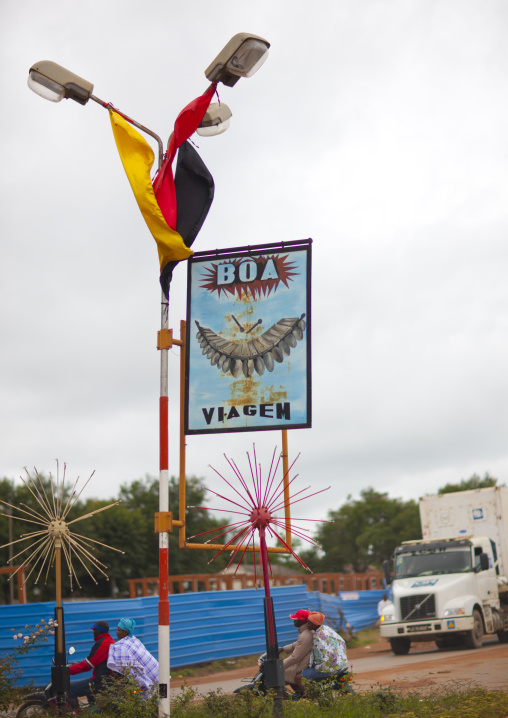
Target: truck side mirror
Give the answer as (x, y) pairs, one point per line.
(388, 575)
(484, 562)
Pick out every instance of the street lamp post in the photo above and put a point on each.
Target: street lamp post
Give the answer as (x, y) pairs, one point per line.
(242, 56)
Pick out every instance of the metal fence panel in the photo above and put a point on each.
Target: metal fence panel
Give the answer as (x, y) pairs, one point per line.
(205, 626)
(358, 608)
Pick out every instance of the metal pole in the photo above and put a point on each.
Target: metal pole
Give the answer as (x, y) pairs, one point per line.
(164, 677)
(60, 676)
(285, 470)
(274, 669)
(156, 137)
(181, 503)
(11, 583)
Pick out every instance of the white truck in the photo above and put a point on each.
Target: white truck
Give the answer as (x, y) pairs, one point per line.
(451, 586)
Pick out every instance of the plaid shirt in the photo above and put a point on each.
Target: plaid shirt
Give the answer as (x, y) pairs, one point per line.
(130, 653)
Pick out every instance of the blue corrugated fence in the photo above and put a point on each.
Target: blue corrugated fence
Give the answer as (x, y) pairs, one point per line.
(205, 626)
(359, 608)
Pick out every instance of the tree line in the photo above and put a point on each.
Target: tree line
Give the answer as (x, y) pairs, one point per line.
(128, 527)
(361, 533)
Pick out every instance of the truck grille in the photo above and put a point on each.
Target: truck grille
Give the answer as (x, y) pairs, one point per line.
(417, 608)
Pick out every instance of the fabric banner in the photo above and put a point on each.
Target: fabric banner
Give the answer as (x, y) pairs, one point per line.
(161, 203)
(137, 159)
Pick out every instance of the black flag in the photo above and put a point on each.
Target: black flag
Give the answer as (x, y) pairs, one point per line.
(194, 189)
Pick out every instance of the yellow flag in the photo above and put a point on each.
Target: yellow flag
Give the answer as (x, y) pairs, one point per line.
(137, 159)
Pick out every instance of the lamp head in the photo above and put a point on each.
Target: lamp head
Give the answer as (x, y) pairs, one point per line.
(54, 83)
(241, 57)
(215, 121)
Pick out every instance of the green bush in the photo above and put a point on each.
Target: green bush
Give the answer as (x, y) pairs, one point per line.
(23, 642)
(122, 699)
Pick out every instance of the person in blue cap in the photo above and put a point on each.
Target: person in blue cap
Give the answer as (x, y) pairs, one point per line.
(129, 653)
(96, 661)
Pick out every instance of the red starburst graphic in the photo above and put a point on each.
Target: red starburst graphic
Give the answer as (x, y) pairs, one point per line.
(258, 276)
(258, 503)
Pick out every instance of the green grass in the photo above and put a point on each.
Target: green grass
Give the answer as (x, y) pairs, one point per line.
(365, 637)
(443, 703)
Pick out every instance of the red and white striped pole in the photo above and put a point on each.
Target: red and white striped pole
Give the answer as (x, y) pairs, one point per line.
(164, 677)
(163, 345)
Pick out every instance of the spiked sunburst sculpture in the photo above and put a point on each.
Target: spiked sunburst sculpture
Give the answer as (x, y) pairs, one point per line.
(55, 535)
(47, 544)
(258, 505)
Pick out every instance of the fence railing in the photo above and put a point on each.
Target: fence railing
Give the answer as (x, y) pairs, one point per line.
(332, 583)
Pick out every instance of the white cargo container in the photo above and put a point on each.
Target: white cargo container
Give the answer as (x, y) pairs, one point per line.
(482, 512)
(451, 587)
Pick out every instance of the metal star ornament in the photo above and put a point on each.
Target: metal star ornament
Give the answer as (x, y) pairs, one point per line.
(259, 501)
(54, 533)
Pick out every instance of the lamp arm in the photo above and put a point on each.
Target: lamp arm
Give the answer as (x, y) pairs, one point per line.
(109, 106)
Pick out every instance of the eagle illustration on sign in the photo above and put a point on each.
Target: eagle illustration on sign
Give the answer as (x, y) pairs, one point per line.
(255, 354)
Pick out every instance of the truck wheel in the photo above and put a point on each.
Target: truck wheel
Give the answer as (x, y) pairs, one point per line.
(448, 642)
(400, 646)
(503, 636)
(474, 637)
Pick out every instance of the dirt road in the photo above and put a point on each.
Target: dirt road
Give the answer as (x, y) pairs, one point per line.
(424, 669)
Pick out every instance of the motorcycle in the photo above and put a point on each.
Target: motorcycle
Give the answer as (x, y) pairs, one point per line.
(337, 681)
(45, 701)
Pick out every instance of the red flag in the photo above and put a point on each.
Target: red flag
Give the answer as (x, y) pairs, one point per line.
(186, 124)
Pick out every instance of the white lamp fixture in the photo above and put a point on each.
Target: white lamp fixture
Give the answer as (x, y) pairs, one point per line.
(215, 121)
(54, 83)
(241, 57)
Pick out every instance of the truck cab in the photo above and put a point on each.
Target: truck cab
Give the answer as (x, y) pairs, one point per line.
(444, 590)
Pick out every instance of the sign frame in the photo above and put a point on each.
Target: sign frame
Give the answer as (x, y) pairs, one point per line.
(282, 278)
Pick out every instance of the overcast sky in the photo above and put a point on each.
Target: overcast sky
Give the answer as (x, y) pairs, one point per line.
(376, 127)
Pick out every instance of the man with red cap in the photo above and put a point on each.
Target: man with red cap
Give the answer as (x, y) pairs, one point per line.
(300, 651)
(97, 660)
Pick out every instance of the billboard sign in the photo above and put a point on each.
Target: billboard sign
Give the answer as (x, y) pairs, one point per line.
(248, 359)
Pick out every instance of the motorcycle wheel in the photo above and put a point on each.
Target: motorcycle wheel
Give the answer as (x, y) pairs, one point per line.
(349, 689)
(343, 688)
(33, 708)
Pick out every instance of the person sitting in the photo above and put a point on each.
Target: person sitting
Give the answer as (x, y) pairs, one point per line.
(300, 651)
(128, 653)
(329, 651)
(96, 660)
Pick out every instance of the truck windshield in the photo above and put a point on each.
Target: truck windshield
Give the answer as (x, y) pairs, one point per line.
(430, 561)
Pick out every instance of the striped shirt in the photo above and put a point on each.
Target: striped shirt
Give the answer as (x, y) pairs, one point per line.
(130, 653)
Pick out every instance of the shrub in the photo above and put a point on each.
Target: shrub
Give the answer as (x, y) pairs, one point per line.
(122, 697)
(25, 641)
